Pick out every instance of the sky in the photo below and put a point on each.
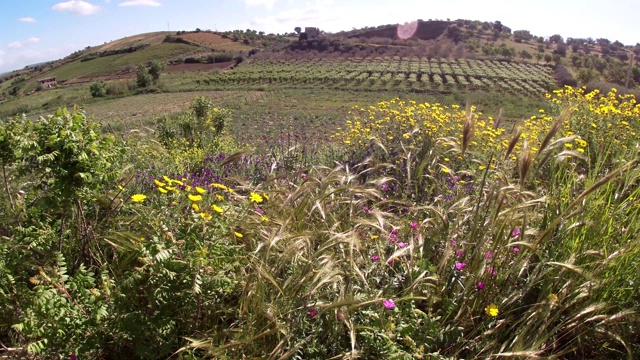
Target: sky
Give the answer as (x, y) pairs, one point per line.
(34, 31)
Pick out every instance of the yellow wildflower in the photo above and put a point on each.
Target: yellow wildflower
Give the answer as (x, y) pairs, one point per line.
(219, 186)
(162, 190)
(491, 310)
(159, 183)
(195, 198)
(195, 207)
(138, 198)
(217, 209)
(237, 234)
(200, 190)
(256, 198)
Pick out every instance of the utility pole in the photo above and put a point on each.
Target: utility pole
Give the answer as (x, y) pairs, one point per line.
(626, 84)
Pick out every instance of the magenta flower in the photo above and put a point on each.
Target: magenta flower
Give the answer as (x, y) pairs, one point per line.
(389, 304)
(488, 255)
(402, 245)
(414, 225)
(480, 285)
(460, 265)
(313, 313)
(453, 242)
(394, 232)
(375, 258)
(303, 176)
(515, 232)
(459, 253)
(516, 250)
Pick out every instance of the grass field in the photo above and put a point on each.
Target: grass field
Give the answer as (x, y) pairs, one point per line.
(110, 64)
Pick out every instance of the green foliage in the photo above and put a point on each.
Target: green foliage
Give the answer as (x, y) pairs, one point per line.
(155, 68)
(98, 89)
(143, 79)
(442, 236)
(190, 136)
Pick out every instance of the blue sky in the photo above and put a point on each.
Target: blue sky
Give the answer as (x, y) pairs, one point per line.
(33, 31)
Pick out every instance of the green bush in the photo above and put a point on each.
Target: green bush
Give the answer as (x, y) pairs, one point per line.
(98, 89)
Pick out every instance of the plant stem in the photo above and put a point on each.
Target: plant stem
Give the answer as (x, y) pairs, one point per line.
(6, 186)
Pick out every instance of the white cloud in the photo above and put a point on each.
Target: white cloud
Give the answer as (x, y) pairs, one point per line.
(266, 3)
(77, 7)
(140, 3)
(19, 44)
(27, 19)
(318, 14)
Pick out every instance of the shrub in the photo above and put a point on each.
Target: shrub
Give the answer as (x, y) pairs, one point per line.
(143, 79)
(98, 89)
(564, 77)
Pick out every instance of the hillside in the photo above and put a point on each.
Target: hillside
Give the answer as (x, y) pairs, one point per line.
(598, 63)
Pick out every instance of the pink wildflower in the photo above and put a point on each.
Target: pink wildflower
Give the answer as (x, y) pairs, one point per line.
(460, 265)
(389, 304)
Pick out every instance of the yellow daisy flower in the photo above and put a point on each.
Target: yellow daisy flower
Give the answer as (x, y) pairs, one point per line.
(138, 198)
(492, 310)
(256, 198)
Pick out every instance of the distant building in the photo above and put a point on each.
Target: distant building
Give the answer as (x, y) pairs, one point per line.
(47, 83)
(312, 32)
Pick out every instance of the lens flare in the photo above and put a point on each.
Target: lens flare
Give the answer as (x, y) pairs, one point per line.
(407, 30)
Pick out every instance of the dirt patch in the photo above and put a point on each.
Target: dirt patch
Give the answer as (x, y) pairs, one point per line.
(135, 40)
(214, 41)
(205, 39)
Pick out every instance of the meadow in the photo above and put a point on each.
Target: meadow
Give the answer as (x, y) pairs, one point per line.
(293, 223)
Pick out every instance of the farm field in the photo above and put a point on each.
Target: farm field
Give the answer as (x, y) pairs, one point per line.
(411, 74)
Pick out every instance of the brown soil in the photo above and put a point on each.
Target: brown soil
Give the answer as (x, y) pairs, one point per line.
(205, 39)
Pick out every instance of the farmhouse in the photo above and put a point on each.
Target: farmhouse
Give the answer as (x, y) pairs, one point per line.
(47, 83)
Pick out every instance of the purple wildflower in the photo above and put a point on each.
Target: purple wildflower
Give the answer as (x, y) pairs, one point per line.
(375, 258)
(480, 285)
(460, 265)
(402, 245)
(515, 232)
(313, 313)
